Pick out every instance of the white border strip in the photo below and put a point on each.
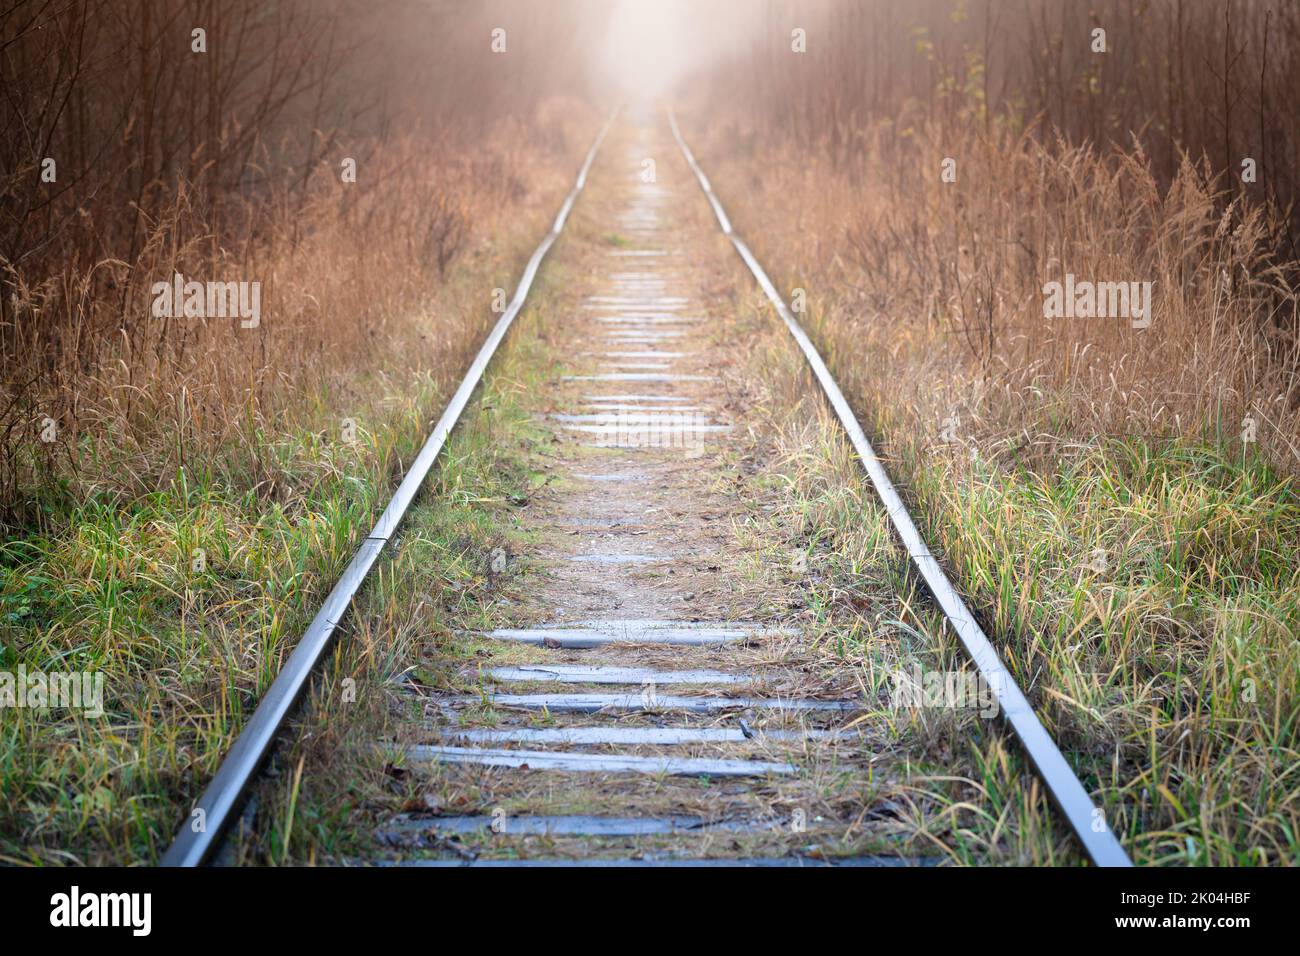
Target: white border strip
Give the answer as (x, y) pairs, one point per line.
(1083, 816)
(212, 813)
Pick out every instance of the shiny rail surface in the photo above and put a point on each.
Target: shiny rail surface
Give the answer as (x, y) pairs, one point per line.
(1085, 818)
(199, 835)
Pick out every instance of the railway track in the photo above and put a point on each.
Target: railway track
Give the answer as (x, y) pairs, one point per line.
(646, 708)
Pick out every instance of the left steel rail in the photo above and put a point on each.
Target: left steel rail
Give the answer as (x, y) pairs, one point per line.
(212, 814)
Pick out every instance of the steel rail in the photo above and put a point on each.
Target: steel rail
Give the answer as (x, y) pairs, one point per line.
(209, 818)
(1085, 818)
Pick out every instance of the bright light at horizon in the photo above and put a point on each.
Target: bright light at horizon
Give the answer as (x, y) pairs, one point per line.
(651, 44)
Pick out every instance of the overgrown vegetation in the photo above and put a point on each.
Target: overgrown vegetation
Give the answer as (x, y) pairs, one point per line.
(179, 493)
(1118, 501)
(331, 786)
(296, 146)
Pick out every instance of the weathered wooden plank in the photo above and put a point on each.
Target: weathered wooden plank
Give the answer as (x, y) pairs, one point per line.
(609, 407)
(593, 703)
(639, 736)
(666, 433)
(668, 400)
(579, 637)
(619, 326)
(675, 417)
(638, 377)
(651, 354)
(643, 335)
(594, 633)
(625, 299)
(668, 624)
(587, 674)
(581, 762)
(573, 825)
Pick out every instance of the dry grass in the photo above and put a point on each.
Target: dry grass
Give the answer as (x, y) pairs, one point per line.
(951, 277)
(1128, 549)
(350, 281)
(178, 493)
(208, 437)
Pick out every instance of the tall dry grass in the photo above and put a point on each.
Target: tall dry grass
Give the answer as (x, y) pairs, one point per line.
(1093, 487)
(348, 273)
(1067, 161)
(1214, 79)
(226, 164)
(208, 482)
(945, 282)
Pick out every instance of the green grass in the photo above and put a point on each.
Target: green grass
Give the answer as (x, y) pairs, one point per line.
(1145, 595)
(436, 581)
(187, 643)
(1130, 558)
(1170, 666)
(955, 785)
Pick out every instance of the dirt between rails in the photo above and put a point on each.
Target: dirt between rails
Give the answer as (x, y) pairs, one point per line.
(663, 468)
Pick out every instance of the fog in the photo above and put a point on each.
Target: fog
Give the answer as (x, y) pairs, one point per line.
(651, 47)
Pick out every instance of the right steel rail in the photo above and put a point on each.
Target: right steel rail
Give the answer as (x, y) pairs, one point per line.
(1085, 818)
